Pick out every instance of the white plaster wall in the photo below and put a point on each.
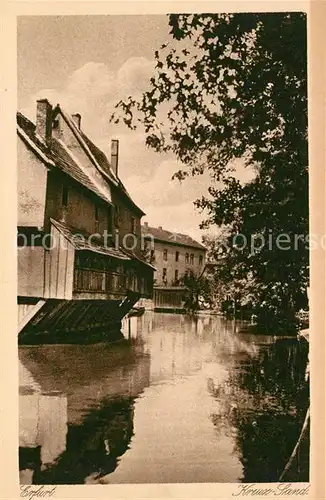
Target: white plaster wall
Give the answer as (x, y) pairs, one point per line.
(171, 265)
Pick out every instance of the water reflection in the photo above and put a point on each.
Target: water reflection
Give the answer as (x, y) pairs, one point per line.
(100, 384)
(266, 398)
(42, 430)
(186, 400)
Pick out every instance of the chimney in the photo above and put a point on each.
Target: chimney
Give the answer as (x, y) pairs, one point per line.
(44, 119)
(77, 120)
(146, 225)
(115, 155)
(160, 227)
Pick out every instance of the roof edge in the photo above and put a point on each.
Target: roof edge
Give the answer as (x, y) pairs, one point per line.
(28, 141)
(78, 135)
(199, 246)
(81, 141)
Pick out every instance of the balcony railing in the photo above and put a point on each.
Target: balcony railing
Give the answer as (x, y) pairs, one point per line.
(111, 282)
(90, 280)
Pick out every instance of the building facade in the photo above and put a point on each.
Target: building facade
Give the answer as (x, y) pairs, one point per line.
(80, 262)
(173, 255)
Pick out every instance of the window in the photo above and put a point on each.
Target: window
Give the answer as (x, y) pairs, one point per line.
(187, 258)
(176, 276)
(152, 257)
(164, 277)
(191, 259)
(165, 254)
(177, 256)
(64, 196)
(200, 260)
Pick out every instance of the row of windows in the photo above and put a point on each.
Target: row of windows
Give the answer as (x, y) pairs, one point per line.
(189, 258)
(164, 275)
(176, 276)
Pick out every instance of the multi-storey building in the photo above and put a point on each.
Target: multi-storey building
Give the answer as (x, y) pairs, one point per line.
(80, 262)
(174, 255)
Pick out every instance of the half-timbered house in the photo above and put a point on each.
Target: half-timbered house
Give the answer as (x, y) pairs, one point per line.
(80, 264)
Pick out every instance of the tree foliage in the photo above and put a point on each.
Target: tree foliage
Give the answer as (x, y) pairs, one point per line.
(196, 291)
(233, 87)
(230, 291)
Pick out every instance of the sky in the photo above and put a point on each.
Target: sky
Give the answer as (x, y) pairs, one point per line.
(87, 64)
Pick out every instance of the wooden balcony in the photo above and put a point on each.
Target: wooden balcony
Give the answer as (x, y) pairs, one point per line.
(74, 268)
(131, 277)
(90, 280)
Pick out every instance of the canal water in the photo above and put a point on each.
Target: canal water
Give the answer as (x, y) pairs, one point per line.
(183, 400)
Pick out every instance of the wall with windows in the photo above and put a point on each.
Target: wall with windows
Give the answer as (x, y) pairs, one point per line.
(124, 218)
(81, 210)
(173, 261)
(127, 223)
(78, 208)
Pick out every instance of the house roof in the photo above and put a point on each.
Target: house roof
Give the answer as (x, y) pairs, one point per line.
(140, 258)
(173, 238)
(27, 130)
(97, 157)
(82, 243)
(108, 173)
(55, 153)
(68, 165)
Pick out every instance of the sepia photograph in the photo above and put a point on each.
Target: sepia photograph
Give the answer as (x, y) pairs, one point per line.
(163, 249)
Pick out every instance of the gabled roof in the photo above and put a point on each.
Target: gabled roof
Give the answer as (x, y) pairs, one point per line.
(100, 158)
(97, 157)
(57, 154)
(165, 236)
(106, 166)
(67, 164)
(27, 131)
